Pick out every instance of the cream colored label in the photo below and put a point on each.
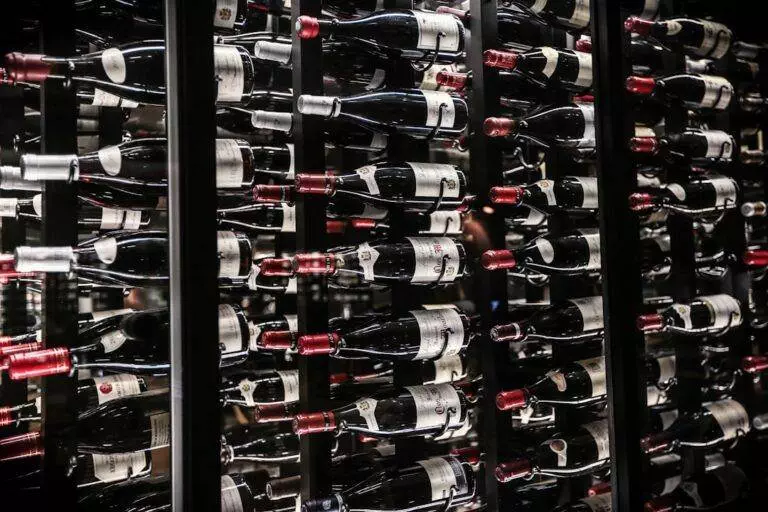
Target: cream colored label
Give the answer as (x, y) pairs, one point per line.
(230, 73)
(116, 386)
(113, 61)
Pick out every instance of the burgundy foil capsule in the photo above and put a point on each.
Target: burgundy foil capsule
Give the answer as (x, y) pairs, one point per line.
(52, 361)
(508, 471)
(6, 417)
(339, 378)
(506, 333)
(470, 454)
(20, 446)
(650, 444)
(315, 184)
(276, 267)
(363, 223)
(307, 27)
(754, 364)
(644, 144)
(452, 79)
(638, 25)
(601, 488)
(498, 126)
(512, 400)
(26, 67)
(584, 98)
(318, 344)
(273, 193)
(268, 413)
(640, 85)
(277, 340)
(314, 422)
(640, 201)
(755, 258)
(8, 350)
(660, 504)
(583, 45)
(335, 227)
(506, 195)
(651, 322)
(362, 438)
(498, 260)
(500, 59)
(314, 264)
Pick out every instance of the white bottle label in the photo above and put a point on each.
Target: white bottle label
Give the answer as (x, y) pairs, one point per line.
(379, 141)
(161, 430)
(101, 315)
(106, 99)
(290, 380)
(599, 431)
(106, 249)
(546, 249)
(225, 14)
(229, 164)
(725, 310)
(684, 312)
(430, 176)
(377, 80)
(716, 40)
(438, 329)
(595, 368)
(230, 73)
(37, 204)
(113, 61)
(8, 206)
(591, 309)
(429, 254)
(111, 159)
(116, 466)
(289, 219)
(692, 490)
(650, 9)
(229, 254)
(719, 144)
(580, 17)
(588, 139)
(713, 97)
(445, 223)
(116, 386)
(112, 341)
(442, 477)
(230, 495)
(548, 189)
(293, 322)
(111, 218)
(552, 57)
(592, 237)
(132, 219)
(725, 190)
(589, 190)
(433, 403)
(247, 387)
(539, 5)
(667, 368)
(731, 416)
(584, 78)
(368, 175)
(435, 100)
(367, 407)
(431, 24)
(230, 334)
(291, 174)
(654, 396)
(448, 369)
(677, 190)
(668, 417)
(366, 257)
(598, 503)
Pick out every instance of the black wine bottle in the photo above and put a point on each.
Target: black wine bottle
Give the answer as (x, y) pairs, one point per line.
(89, 217)
(569, 69)
(569, 193)
(570, 127)
(691, 91)
(692, 145)
(707, 312)
(271, 443)
(249, 389)
(572, 318)
(259, 218)
(693, 197)
(711, 490)
(701, 38)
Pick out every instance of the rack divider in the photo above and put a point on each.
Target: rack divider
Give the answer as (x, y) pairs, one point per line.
(193, 257)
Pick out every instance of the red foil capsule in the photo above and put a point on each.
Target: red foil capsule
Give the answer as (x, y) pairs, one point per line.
(338, 378)
(644, 144)
(362, 438)
(755, 258)
(469, 454)
(601, 488)
(507, 195)
(314, 422)
(584, 98)
(651, 322)
(20, 446)
(273, 193)
(452, 79)
(499, 126)
(315, 184)
(754, 364)
(640, 201)
(307, 27)
(276, 267)
(498, 260)
(638, 25)
(335, 227)
(26, 67)
(314, 264)
(52, 361)
(640, 85)
(500, 59)
(584, 45)
(6, 416)
(277, 340)
(511, 400)
(317, 344)
(508, 471)
(507, 332)
(268, 413)
(9, 350)
(363, 223)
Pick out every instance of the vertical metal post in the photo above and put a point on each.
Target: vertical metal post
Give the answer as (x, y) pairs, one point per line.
(622, 289)
(195, 412)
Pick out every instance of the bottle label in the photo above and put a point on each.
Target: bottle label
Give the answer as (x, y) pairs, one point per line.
(289, 219)
(367, 408)
(445, 473)
(539, 5)
(664, 242)
(107, 99)
(111, 218)
(230, 73)
(116, 386)
(448, 369)
(229, 164)
(118, 466)
(229, 254)
(430, 176)
(684, 312)
(588, 139)
(547, 187)
(230, 334)
(592, 237)
(731, 416)
(230, 495)
(713, 97)
(366, 257)
(132, 219)
(546, 250)
(668, 417)
(671, 483)
(591, 309)
(595, 368)
(290, 380)
(429, 254)
(429, 79)
(725, 310)
(377, 80)
(580, 17)
(8, 206)
(559, 379)
(37, 204)
(719, 145)
(113, 62)
(598, 503)
(667, 368)
(368, 175)
(725, 191)
(291, 174)
(111, 159)
(379, 141)
(677, 190)
(441, 332)
(101, 315)
(716, 40)
(552, 57)
(584, 78)
(161, 430)
(650, 9)
(691, 488)
(599, 432)
(112, 340)
(225, 14)
(535, 217)
(433, 405)
(654, 396)
(431, 24)
(589, 191)
(247, 387)
(106, 249)
(437, 101)
(293, 322)
(445, 223)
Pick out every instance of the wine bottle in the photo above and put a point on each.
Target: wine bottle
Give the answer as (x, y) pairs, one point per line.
(573, 318)
(581, 451)
(260, 443)
(569, 69)
(713, 424)
(691, 91)
(569, 127)
(569, 193)
(570, 15)
(408, 34)
(707, 491)
(277, 218)
(704, 313)
(407, 411)
(258, 388)
(89, 216)
(441, 222)
(420, 335)
(425, 484)
(569, 253)
(701, 38)
(417, 185)
(694, 197)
